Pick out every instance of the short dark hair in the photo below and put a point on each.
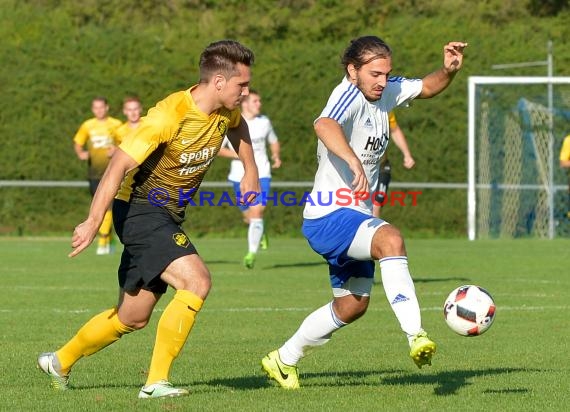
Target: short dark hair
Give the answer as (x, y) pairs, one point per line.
(222, 57)
(131, 98)
(362, 47)
(99, 99)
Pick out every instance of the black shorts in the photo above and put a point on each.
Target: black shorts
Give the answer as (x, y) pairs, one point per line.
(152, 240)
(93, 183)
(383, 182)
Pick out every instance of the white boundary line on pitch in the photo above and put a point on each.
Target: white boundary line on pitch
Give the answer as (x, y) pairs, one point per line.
(265, 309)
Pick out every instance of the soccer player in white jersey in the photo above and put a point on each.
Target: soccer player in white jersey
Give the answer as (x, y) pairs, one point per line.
(338, 223)
(262, 134)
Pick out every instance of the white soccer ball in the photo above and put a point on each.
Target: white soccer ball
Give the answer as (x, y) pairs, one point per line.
(469, 310)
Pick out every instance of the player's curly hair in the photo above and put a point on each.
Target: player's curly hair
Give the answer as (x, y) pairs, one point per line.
(363, 50)
(222, 57)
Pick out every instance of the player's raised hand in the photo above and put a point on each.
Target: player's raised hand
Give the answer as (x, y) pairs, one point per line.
(453, 56)
(83, 235)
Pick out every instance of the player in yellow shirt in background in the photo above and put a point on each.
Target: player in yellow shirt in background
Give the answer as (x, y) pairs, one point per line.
(565, 163)
(132, 109)
(95, 142)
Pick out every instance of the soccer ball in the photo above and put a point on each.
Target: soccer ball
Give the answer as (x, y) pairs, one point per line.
(469, 310)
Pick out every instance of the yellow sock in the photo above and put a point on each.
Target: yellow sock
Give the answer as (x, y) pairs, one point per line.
(173, 329)
(105, 229)
(99, 332)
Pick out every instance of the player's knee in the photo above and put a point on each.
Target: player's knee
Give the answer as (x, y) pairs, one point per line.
(357, 311)
(388, 241)
(348, 313)
(138, 324)
(134, 323)
(198, 283)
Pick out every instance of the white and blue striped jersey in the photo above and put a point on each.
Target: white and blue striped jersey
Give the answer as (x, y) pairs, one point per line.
(366, 127)
(261, 133)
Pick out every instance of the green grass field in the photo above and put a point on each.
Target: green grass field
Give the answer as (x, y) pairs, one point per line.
(520, 364)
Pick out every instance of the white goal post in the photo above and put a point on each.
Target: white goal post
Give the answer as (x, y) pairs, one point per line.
(511, 130)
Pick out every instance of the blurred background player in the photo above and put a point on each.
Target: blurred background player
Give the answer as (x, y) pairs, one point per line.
(381, 192)
(262, 133)
(95, 142)
(565, 163)
(132, 109)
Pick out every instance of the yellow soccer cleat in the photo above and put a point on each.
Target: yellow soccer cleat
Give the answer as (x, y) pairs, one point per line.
(422, 349)
(285, 375)
(264, 242)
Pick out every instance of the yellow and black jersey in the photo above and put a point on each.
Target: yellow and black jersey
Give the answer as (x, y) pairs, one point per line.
(392, 120)
(122, 131)
(565, 149)
(97, 136)
(174, 146)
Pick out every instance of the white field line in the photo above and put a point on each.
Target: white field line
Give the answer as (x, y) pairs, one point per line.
(268, 309)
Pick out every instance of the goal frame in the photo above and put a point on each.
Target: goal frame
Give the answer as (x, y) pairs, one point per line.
(473, 82)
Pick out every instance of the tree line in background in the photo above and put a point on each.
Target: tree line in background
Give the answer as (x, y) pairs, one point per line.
(57, 54)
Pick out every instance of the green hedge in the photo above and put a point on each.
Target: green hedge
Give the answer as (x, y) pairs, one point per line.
(57, 54)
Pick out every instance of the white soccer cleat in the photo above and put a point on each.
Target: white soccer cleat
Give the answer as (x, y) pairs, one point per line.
(103, 250)
(161, 389)
(49, 364)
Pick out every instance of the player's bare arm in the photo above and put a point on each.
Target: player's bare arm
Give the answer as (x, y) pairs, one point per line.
(399, 138)
(81, 153)
(85, 232)
(434, 83)
(331, 134)
(229, 153)
(241, 142)
(275, 155)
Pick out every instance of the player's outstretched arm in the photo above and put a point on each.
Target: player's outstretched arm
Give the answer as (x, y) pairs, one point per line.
(81, 153)
(85, 232)
(397, 135)
(330, 133)
(434, 83)
(241, 142)
(275, 155)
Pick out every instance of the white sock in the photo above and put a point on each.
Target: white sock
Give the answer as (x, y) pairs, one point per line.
(254, 234)
(316, 330)
(401, 293)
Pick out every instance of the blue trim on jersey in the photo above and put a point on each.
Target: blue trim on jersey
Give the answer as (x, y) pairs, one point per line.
(330, 236)
(345, 100)
(264, 183)
(395, 79)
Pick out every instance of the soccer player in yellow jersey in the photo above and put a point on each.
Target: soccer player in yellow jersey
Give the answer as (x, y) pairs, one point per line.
(565, 163)
(132, 109)
(397, 135)
(95, 142)
(156, 171)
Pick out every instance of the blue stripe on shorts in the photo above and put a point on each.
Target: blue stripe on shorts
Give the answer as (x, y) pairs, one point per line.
(330, 236)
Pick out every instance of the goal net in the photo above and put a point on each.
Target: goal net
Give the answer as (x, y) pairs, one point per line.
(516, 187)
